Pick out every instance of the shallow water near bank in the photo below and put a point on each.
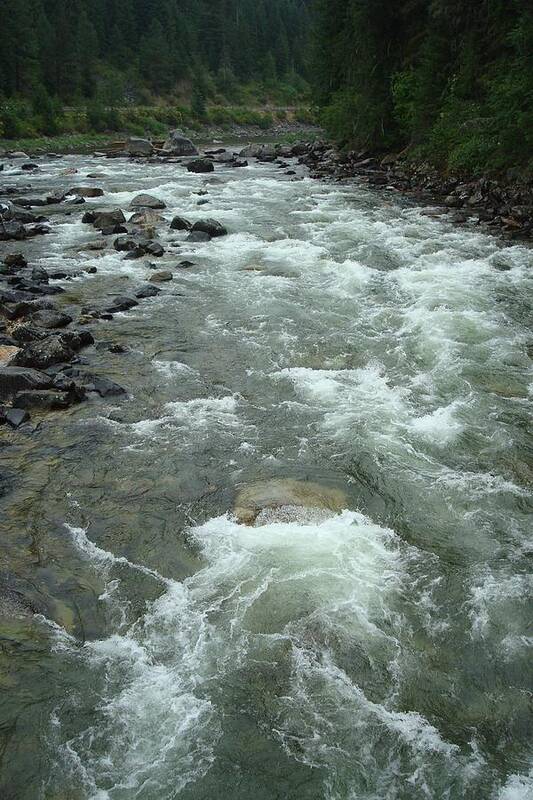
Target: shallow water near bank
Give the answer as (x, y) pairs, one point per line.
(337, 335)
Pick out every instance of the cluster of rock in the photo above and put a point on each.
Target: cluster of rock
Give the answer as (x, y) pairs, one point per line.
(503, 205)
(41, 368)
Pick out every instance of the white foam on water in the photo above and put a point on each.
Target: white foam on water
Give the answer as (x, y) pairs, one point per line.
(299, 581)
(517, 787)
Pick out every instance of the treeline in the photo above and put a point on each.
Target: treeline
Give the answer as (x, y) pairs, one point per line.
(118, 52)
(453, 79)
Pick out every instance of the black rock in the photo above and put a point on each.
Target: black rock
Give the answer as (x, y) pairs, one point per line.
(12, 231)
(107, 219)
(104, 387)
(48, 399)
(15, 260)
(210, 226)
(50, 319)
(124, 244)
(23, 333)
(201, 165)
(121, 304)
(154, 249)
(147, 291)
(42, 354)
(180, 224)
(132, 255)
(18, 379)
(186, 264)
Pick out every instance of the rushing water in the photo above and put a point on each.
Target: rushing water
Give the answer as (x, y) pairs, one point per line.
(337, 335)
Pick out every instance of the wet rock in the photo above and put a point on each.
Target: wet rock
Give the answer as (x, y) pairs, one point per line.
(104, 387)
(15, 417)
(124, 244)
(12, 231)
(49, 399)
(120, 304)
(177, 144)
(209, 226)
(198, 236)
(281, 495)
(17, 154)
(138, 252)
(50, 319)
(39, 275)
(154, 249)
(180, 224)
(105, 219)
(147, 291)
(16, 260)
(17, 379)
(161, 277)
(139, 147)
(201, 165)
(147, 201)
(90, 270)
(86, 191)
(186, 264)
(42, 354)
(145, 219)
(26, 307)
(23, 333)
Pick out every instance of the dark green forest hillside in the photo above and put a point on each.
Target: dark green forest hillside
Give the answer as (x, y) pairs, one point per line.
(451, 78)
(120, 52)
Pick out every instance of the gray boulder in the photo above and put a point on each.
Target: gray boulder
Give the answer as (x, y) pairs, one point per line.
(178, 145)
(139, 147)
(147, 201)
(180, 224)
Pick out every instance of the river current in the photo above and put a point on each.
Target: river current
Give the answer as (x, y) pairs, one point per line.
(338, 335)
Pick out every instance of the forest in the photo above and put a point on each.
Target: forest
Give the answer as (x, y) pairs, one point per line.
(109, 54)
(452, 79)
(448, 81)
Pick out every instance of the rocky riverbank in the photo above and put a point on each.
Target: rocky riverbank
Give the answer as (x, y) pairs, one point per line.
(42, 364)
(503, 206)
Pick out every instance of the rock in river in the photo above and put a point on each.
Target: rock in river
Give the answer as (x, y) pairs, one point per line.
(178, 145)
(147, 201)
(17, 379)
(209, 226)
(201, 165)
(281, 496)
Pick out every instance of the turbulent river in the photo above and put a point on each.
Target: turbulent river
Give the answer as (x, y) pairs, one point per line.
(337, 335)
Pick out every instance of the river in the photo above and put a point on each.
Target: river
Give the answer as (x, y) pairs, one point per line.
(338, 335)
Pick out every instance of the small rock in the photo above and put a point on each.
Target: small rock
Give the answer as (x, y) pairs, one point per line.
(16, 417)
(160, 277)
(50, 319)
(201, 165)
(86, 191)
(180, 224)
(7, 354)
(120, 304)
(209, 226)
(147, 201)
(147, 291)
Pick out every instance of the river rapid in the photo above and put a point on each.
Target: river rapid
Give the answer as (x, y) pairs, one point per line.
(338, 335)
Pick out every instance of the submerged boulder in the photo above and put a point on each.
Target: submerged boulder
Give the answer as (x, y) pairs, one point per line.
(177, 144)
(277, 500)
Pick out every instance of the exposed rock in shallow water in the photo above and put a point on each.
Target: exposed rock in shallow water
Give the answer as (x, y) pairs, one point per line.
(280, 496)
(147, 201)
(201, 165)
(17, 379)
(212, 227)
(178, 145)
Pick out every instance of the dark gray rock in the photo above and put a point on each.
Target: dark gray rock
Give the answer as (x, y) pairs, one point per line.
(106, 219)
(49, 399)
(201, 165)
(50, 319)
(16, 260)
(18, 379)
(209, 226)
(121, 304)
(104, 387)
(180, 224)
(146, 291)
(12, 231)
(45, 353)
(16, 417)
(147, 201)
(86, 191)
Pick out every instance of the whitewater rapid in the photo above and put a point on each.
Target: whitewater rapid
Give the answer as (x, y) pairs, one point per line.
(337, 335)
